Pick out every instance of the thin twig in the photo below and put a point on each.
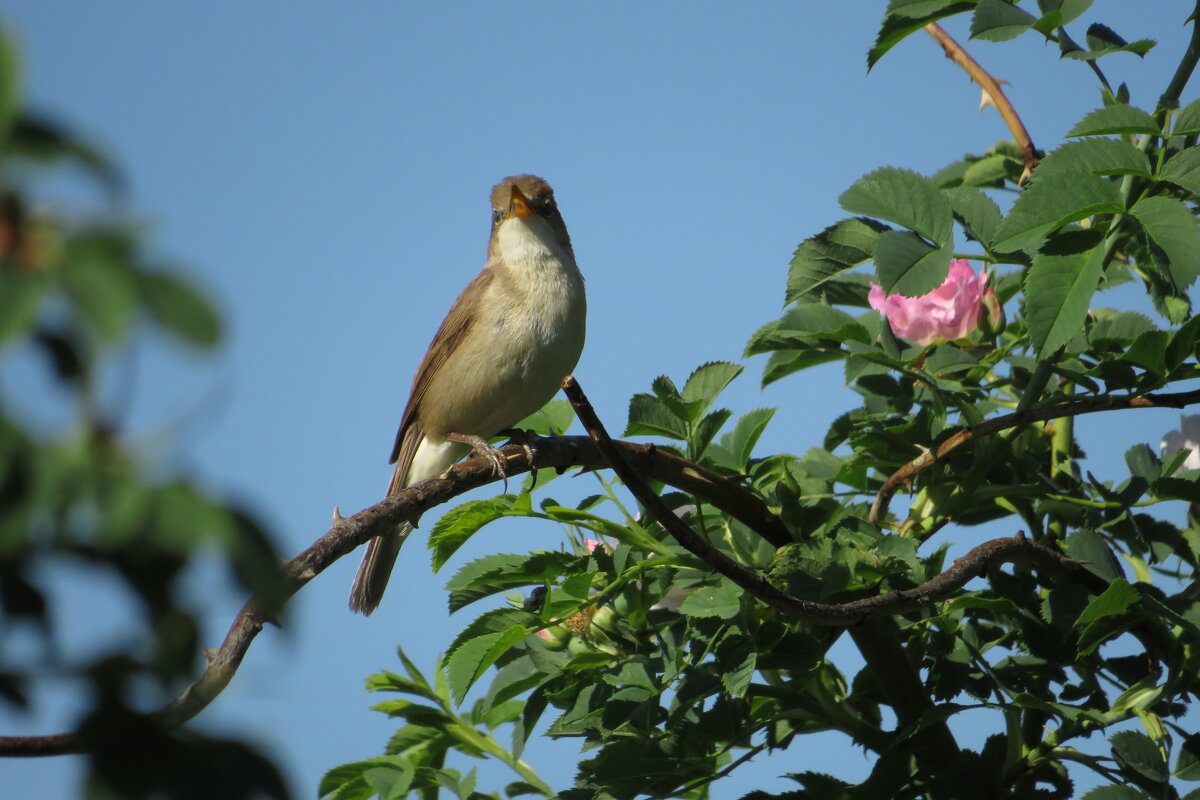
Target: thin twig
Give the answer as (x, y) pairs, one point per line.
(1088, 405)
(991, 87)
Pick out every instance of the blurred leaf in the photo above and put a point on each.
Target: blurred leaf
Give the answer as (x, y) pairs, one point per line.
(904, 197)
(905, 264)
(1058, 290)
(46, 141)
(999, 21)
(821, 258)
(1117, 118)
(1053, 201)
(10, 83)
(179, 308)
(20, 295)
(101, 283)
(1114, 792)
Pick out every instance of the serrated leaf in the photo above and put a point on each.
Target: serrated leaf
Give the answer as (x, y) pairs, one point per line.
(1117, 118)
(1051, 202)
(905, 264)
(1116, 599)
(1058, 291)
(706, 382)
(1174, 228)
(723, 600)
(178, 308)
(904, 17)
(977, 212)
(904, 197)
(1089, 547)
(745, 434)
(999, 21)
(1187, 120)
(1137, 751)
(1115, 792)
(461, 523)
(390, 781)
(1097, 156)
(470, 660)
(1183, 169)
(1103, 41)
(650, 416)
(822, 258)
(806, 326)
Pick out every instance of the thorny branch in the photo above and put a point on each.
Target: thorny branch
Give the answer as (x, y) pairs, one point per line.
(992, 93)
(1074, 408)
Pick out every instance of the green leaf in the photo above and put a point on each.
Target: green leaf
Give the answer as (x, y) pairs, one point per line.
(999, 21)
(10, 83)
(390, 781)
(20, 296)
(1117, 118)
(1183, 169)
(467, 663)
(501, 572)
(1174, 229)
(1058, 290)
(1056, 13)
(1136, 751)
(1187, 764)
(1116, 599)
(1089, 547)
(977, 212)
(821, 258)
(178, 308)
(1115, 792)
(1097, 156)
(904, 197)
(459, 524)
(745, 434)
(706, 382)
(904, 17)
(1187, 120)
(1051, 202)
(552, 419)
(1103, 41)
(723, 600)
(102, 287)
(806, 326)
(650, 416)
(905, 264)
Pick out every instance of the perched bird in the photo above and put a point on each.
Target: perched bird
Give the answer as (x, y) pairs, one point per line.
(501, 353)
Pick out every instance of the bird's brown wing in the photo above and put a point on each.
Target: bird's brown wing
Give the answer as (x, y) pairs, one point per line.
(450, 335)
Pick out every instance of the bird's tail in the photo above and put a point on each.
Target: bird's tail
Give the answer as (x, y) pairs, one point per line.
(379, 558)
(376, 568)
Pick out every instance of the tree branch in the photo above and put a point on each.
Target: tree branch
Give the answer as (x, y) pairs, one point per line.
(991, 88)
(1088, 405)
(347, 533)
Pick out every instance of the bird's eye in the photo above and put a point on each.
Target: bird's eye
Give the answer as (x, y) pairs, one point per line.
(497, 215)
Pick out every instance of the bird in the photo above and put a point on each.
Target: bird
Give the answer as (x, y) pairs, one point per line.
(500, 354)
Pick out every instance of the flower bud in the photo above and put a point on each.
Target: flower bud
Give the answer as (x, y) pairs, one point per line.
(991, 315)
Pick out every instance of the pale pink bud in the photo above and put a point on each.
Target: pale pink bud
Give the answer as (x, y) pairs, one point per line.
(949, 312)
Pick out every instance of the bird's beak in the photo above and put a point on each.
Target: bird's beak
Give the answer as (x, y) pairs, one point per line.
(518, 204)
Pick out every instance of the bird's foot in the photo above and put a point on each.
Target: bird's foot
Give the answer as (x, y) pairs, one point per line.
(524, 437)
(485, 450)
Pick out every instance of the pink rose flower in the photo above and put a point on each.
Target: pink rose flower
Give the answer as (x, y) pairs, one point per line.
(949, 312)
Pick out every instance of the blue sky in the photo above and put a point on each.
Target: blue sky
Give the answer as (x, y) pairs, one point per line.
(324, 174)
